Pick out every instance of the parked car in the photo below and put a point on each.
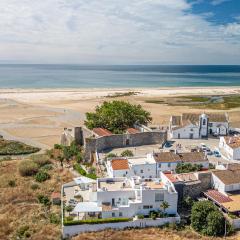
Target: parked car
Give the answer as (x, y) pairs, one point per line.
(167, 145)
(203, 147)
(72, 202)
(217, 153)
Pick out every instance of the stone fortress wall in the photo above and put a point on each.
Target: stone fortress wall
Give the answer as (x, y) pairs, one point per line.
(84, 136)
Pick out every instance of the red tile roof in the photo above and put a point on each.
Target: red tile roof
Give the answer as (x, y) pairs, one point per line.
(55, 195)
(217, 196)
(101, 132)
(120, 164)
(132, 130)
(171, 177)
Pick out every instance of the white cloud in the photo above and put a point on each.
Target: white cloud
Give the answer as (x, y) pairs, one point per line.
(112, 31)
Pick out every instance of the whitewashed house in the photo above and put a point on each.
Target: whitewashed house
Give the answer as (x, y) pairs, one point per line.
(194, 126)
(230, 147)
(226, 180)
(144, 167)
(127, 197)
(151, 165)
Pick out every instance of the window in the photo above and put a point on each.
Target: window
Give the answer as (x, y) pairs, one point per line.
(113, 214)
(146, 207)
(169, 164)
(204, 122)
(159, 197)
(159, 165)
(141, 171)
(120, 214)
(191, 129)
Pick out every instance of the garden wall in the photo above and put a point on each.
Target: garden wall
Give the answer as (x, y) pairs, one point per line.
(123, 140)
(69, 231)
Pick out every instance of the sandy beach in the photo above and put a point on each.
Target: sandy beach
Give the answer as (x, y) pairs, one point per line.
(37, 116)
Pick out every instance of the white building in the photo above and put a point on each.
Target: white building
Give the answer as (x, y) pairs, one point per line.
(144, 167)
(127, 197)
(194, 126)
(153, 164)
(230, 147)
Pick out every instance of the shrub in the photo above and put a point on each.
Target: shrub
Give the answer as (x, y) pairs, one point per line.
(57, 146)
(47, 167)
(140, 216)
(11, 183)
(35, 186)
(69, 208)
(42, 176)
(54, 218)
(79, 169)
(44, 200)
(127, 153)
(111, 155)
(41, 159)
(23, 232)
(96, 221)
(28, 168)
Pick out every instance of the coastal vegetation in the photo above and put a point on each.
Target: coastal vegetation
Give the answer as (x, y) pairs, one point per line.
(215, 102)
(122, 94)
(9, 147)
(117, 116)
(26, 208)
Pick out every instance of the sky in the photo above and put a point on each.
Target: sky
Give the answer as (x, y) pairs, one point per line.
(120, 31)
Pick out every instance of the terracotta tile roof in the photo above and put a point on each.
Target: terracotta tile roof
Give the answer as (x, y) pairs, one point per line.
(186, 177)
(217, 117)
(233, 166)
(55, 195)
(101, 132)
(166, 157)
(119, 164)
(193, 118)
(228, 177)
(217, 197)
(193, 157)
(171, 177)
(233, 142)
(132, 130)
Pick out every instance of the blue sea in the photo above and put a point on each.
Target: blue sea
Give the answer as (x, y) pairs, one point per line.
(119, 76)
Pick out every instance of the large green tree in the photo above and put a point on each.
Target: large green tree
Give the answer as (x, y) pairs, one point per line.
(117, 116)
(207, 219)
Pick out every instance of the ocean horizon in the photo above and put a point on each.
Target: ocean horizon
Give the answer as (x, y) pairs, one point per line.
(117, 76)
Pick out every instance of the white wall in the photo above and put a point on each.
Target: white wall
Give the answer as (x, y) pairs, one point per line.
(217, 184)
(147, 170)
(165, 166)
(232, 153)
(69, 231)
(185, 132)
(214, 128)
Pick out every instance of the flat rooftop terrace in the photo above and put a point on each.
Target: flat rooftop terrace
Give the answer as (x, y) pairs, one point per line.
(113, 185)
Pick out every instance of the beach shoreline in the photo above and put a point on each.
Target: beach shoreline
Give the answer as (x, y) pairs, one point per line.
(38, 116)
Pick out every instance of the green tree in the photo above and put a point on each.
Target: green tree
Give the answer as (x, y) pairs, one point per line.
(127, 153)
(207, 219)
(117, 116)
(165, 205)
